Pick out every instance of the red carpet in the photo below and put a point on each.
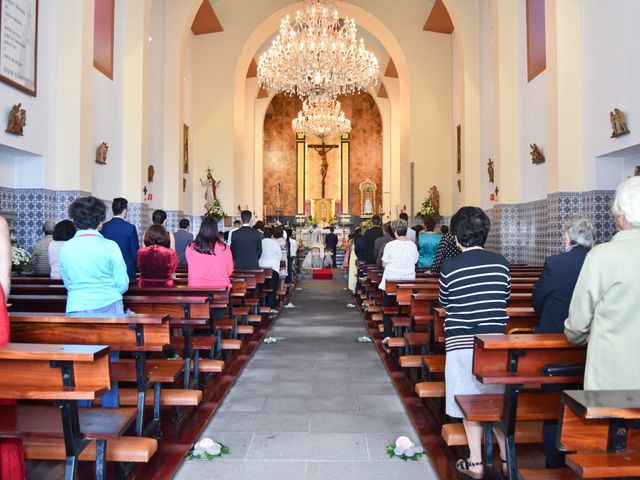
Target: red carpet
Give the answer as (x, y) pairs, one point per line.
(323, 274)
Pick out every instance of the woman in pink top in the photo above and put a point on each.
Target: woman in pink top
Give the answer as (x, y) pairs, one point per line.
(209, 259)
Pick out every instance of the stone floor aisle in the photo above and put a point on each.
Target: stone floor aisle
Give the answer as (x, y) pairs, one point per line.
(315, 406)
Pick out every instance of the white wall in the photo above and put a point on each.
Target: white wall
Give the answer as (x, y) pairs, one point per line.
(487, 103)
(611, 75)
(457, 115)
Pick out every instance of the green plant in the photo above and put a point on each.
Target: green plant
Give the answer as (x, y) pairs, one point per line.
(426, 210)
(216, 210)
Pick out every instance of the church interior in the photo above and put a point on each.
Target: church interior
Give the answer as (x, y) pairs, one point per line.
(523, 108)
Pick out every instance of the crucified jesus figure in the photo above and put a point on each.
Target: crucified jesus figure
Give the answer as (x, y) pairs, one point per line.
(322, 150)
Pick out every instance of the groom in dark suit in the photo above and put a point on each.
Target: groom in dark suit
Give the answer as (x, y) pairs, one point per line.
(331, 244)
(247, 244)
(123, 233)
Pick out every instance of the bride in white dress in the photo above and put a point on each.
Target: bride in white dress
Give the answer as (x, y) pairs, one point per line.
(317, 257)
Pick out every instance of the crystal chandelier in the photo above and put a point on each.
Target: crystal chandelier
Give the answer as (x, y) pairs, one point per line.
(322, 118)
(318, 53)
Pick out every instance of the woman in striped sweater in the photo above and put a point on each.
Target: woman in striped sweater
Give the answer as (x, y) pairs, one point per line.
(474, 289)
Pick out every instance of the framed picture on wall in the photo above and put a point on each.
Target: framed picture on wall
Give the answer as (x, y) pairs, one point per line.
(19, 44)
(185, 148)
(458, 149)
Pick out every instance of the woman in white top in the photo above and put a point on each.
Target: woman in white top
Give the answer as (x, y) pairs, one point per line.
(271, 258)
(63, 231)
(399, 262)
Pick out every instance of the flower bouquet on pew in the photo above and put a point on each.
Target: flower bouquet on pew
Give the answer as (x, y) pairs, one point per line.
(207, 449)
(405, 449)
(20, 258)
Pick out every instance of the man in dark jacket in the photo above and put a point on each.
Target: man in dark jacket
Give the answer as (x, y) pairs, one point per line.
(331, 244)
(370, 237)
(247, 245)
(123, 233)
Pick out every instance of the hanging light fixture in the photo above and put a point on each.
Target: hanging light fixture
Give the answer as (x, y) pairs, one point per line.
(318, 53)
(322, 118)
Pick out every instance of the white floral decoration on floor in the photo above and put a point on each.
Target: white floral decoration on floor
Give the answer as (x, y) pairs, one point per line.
(289, 305)
(405, 449)
(272, 340)
(363, 340)
(207, 449)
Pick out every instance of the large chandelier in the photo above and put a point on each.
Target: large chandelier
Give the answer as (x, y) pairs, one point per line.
(318, 53)
(322, 118)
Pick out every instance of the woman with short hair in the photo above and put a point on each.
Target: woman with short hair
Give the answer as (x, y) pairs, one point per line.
(63, 231)
(156, 261)
(474, 289)
(605, 308)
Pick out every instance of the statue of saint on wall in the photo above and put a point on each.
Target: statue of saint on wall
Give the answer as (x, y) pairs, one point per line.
(434, 196)
(536, 154)
(17, 120)
(151, 172)
(101, 153)
(618, 123)
(210, 194)
(490, 170)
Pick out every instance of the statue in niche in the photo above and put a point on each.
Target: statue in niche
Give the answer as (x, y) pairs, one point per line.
(101, 153)
(151, 172)
(17, 120)
(367, 208)
(434, 196)
(618, 123)
(210, 194)
(536, 154)
(490, 170)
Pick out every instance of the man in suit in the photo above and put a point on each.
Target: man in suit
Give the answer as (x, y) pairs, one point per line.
(183, 238)
(331, 244)
(247, 245)
(370, 237)
(551, 298)
(124, 234)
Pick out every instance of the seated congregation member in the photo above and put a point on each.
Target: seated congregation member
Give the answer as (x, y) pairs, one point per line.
(399, 262)
(271, 258)
(93, 271)
(428, 242)
(447, 248)
(209, 259)
(183, 238)
(247, 244)
(474, 289)
(11, 454)
(156, 261)
(159, 217)
(63, 231)
(605, 307)
(40, 252)
(551, 297)
(378, 246)
(375, 231)
(123, 233)
(411, 233)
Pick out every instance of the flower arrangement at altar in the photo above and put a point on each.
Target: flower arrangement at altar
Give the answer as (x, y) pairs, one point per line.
(365, 224)
(207, 449)
(427, 209)
(405, 449)
(20, 258)
(216, 210)
(334, 220)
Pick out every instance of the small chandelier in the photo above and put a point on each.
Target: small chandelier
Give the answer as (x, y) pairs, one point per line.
(322, 118)
(318, 53)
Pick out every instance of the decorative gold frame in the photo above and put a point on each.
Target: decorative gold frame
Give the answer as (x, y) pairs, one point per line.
(323, 209)
(368, 188)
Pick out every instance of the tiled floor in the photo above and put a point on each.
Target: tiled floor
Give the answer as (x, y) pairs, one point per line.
(317, 405)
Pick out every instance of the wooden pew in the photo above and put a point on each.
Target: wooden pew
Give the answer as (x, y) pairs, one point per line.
(513, 361)
(137, 334)
(65, 374)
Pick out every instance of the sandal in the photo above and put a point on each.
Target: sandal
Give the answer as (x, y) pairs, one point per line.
(462, 466)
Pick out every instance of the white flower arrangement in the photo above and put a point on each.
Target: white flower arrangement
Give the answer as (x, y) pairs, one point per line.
(207, 449)
(269, 340)
(405, 449)
(216, 210)
(20, 258)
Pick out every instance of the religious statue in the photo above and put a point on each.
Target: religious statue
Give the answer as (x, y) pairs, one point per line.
(496, 191)
(536, 155)
(459, 186)
(151, 172)
(184, 184)
(210, 195)
(17, 120)
(618, 123)
(367, 208)
(101, 153)
(490, 170)
(322, 150)
(434, 196)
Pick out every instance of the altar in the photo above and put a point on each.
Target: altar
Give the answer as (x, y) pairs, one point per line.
(304, 234)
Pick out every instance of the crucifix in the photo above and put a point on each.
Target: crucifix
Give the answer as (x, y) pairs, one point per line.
(322, 150)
